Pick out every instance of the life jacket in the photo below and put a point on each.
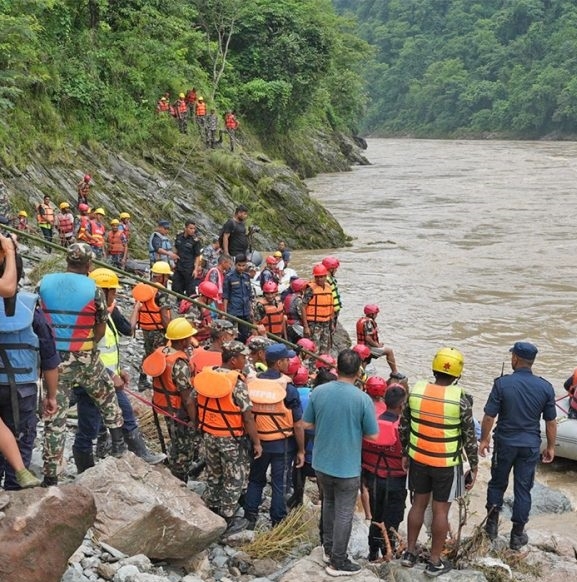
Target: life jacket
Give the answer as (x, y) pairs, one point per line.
(362, 332)
(162, 105)
(218, 414)
(337, 303)
(115, 242)
(320, 308)
(97, 231)
(201, 109)
(219, 302)
(22, 223)
(202, 358)
(19, 344)
(47, 219)
(164, 244)
(273, 318)
(190, 97)
(383, 457)
(109, 348)
(230, 121)
(290, 308)
(165, 393)
(82, 234)
(181, 107)
(273, 419)
(573, 391)
(65, 223)
(67, 300)
(149, 316)
(125, 228)
(435, 424)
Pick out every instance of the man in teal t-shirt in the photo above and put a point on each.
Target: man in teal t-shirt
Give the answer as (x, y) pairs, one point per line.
(341, 415)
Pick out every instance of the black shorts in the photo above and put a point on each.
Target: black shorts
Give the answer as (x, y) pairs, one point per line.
(446, 483)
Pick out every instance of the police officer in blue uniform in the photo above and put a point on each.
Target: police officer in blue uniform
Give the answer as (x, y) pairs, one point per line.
(237, 295)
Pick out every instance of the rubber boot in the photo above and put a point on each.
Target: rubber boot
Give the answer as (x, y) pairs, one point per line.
(235, 524)
(136, 445)
(118, 447)
(83, 460)
(49, 481)
(492, 524)
(103, 443)
(518, 537)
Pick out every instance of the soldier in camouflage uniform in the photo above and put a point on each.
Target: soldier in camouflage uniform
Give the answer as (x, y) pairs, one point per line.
(256, 362)
(77, 310)
(225, 422)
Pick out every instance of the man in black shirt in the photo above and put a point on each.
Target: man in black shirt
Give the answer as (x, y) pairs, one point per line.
(188, 248)
(234, 235)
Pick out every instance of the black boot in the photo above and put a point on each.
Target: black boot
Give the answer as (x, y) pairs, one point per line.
(518, 537)
(235, 524)
(49, 481)
(118, 447)
(492, 524)
(143, 383)
(103, 443)
(136, 445)
(83, 460)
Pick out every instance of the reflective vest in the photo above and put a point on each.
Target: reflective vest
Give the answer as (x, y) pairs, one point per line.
(373, 331)
(320, 308)
(435, 438)
(230, 121)
(273, 318)
(290, 304)
(82, 235)
(384, 456)
(46, 219)
(97, 231)
(165, 393)
(164, 244)
(218, 414)
(67, 300)
(115, 241)
(109, 348)
(201, 109)
(19, 360)
(65, 223)
(335, 291)
(273, 419)
(202, 358)
(149, 316)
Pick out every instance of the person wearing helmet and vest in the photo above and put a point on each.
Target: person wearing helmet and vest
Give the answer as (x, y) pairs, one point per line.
(520, 400)
(436, 429)
(187, 268)
(200, 115)
(308, 361)
(96, 232)
(151, 313)
(190, 99)
(89, 419)
(83, 189)
(368, 333)
(365, 355)
(269, 272)
(64, 224)
(221, 331)
(277, 411)
(162, 105)
(294, 308)
(217, 274)
(383, 473)
(172, 389)
(45, 219)
(180, 109)
(320, 309)
(332, 264)
(159, 245)
(22, 221)
(116, 245)
(125, 224)
(76, 308)
(269, 311)
(223, 413)
(81, 224)
(200, 315)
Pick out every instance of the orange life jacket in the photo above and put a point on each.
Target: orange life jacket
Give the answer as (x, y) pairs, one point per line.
(573, 391)
(273, 419)
(201, 109)
(218, 414)
(166, 394)
(82, 235)
(202, 358)
(125, 228)
(115, 242)
(274, 316)
(181, 106)
(321, 307)
(48, 216)
(97, 232)
(230, 121)
(162, 105)
(190, 97)
(65, 223)
(384, 456)
(149, 316)
(362, 332)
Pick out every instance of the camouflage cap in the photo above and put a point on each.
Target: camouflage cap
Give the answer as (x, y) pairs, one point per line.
(79, 253)
(259, 342)
(221, 325)
(234, 348)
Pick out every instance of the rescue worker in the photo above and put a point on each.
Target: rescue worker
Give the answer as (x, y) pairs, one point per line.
(256, 361)
(200, 114)
(383, 473)
(570, 384)
(211, 253)
(27, 350)
(190, 99)
(224, 417)
(308, 361)
(368, 333)
(83, 189)
(64, 224)
(269, 310)
(294, 308)
(217, 274)
(172, 388)
(320, 309)
(231, 125)
(436, 429)
(89, 419)
(277, 411)
(180, 109)
(221, 331)
(187, 268)
(81, 224)
(201, 316)
(211, 129)
(22, 222)
(125, 225)
(45, 219)
(151, 313)
(162, 105)
(96, 231)
(76, 308)
(365, 355)
(116, 245)
(332, 264)
(269, 272)
(237, 296)
(159, 245)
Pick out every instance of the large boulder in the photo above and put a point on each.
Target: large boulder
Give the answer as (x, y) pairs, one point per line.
(143, 509)
(41, 529)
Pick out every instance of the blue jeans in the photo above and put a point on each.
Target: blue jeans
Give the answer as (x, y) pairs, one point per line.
(523, 461)
(280, 471)
(89, 419)
(339, 499)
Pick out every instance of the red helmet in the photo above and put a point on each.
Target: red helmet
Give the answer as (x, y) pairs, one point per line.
(320, 270)
(298, 284)
(87, 178)
(301, 377)
(363, 351)
(307, 344)
(294, 364)
(331, 262)
(270, 260)
(270, 287)
(208, 289)
(83, 207)
(375, 386)
(371, 309)
(326, 361)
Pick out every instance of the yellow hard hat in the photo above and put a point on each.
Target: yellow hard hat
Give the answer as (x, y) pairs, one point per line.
(123, 215)
(161, 268)
(114, 222)
(64, 205)
(105, 278)
(201, 98)
(179, 328)
(100, 211)
(181, 95)
(449, 361)
(277, 254)
(23, 213)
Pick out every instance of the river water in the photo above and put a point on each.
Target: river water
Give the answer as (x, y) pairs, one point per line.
(467, 244)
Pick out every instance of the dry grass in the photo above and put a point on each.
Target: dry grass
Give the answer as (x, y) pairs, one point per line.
(54, 263)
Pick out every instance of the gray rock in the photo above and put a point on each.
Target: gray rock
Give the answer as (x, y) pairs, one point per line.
(359, 540)
(192, 578)
(141, 561)
(265, 567)
(243, 562)
(220, 561)
(107, 571)
(72, 575)
(126, 573)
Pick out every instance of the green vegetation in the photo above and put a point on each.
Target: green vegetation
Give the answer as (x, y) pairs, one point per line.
(470, 67)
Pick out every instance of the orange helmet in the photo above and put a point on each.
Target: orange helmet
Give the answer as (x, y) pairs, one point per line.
(270, 287)
(208, 289)
(320, 270)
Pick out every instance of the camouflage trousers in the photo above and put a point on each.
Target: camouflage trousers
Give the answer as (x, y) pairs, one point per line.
(184, 445)
(152, 339)
(227, 467)
(322, 335)
(87, 370)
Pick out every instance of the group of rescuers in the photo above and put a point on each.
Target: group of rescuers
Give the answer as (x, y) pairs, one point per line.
(237, 400)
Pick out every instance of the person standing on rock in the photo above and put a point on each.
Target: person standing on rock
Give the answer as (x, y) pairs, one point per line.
(187, 268)
(234, 237)
(159, 245)
(64, 224)
(45, 219)
(76, 308)
(83, 189)
(223, 415)
(519, 400)
(340, 405)
(320, 309)
(237, 296)
(217, 274)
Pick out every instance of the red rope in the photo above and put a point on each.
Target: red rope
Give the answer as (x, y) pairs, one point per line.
(155, 407)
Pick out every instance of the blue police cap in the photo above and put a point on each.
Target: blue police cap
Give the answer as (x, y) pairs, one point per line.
(164, 223)
(278, 352)
(525, 350)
